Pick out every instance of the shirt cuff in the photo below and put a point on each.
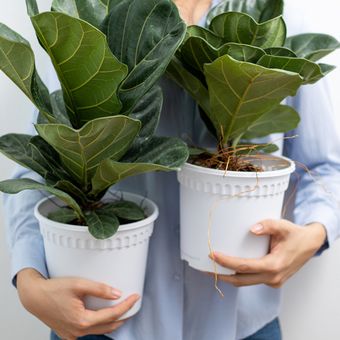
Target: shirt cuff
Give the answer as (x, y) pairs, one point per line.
(28, 252)
(319, 213)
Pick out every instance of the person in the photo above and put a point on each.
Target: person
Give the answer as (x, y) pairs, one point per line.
(181, 303)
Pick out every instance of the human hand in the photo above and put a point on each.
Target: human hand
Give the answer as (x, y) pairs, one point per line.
(291, 246)
(59, 304)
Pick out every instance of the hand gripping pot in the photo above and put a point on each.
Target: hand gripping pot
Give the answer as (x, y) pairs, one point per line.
(119, 261)
(219, 207)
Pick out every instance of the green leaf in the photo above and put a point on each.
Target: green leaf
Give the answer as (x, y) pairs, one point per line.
(17, 148)
(63, 215)
(18, 63)
(312, 46)
(32, 7)
(282, 118)
(243, 29)
(241, 92)
(184, 78)
(166, 151)
(81, 151)
(71, 189)
(280, 51)
(47, 156)
(159, 154)
(33, 153)
(148, 111)
(102, 224)
(325, 68)
(260, 10)
(59, 108)
(309, 71)
(150, 33)
(196, 52)
(200, 32)
(92, 11)
(88, 72)
(125, 210)
(14, 186)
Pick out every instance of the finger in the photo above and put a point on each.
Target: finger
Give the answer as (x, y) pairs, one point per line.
(241, 265)
(111, 314)
(271, 227)
(242, 280)
(97, 289)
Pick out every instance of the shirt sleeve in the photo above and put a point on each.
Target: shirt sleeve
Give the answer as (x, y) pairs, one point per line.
(317, 155)
(23, 234)
(22, 228)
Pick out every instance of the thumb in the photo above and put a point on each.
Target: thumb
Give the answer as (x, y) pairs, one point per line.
(87, 287)
(271, 227)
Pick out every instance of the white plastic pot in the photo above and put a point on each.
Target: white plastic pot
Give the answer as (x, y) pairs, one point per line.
(220, 207)
(119, 261)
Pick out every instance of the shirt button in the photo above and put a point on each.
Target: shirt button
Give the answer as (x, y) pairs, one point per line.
(177, 277)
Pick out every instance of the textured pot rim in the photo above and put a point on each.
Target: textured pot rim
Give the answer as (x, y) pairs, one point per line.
(242, 174)
(123, 227)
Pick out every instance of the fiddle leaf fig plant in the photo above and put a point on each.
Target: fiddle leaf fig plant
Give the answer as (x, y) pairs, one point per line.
(241, 67)
(99, 127)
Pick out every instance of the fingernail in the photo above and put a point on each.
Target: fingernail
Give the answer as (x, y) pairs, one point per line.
(137, 297)
(257, 228)
(116, 293)
(213, 255)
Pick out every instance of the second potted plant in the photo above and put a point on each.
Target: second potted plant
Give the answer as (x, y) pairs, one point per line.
(239, 70)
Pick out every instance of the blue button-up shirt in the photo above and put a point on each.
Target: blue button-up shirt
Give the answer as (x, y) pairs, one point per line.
(181, 303)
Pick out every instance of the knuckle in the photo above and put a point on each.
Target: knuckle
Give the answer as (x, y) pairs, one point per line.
(276, 282)
(243, 268)
(275, 267)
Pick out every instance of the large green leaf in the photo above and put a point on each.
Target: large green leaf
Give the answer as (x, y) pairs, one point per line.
(282, 118)
(241, 92)
(102, 224)
(309, 71)
(18, 63)
(33, 153)
(243, 29)
(184, 78)
(280, 51)
(92, 11)
(143, 35)
(88, 72)
(260, 10)
(59, 108)
(14, 186)
(148, 111)
(196, 52)
(81, 151)
(207, 35)
(312, 46)
(159, 154)
(74, 191)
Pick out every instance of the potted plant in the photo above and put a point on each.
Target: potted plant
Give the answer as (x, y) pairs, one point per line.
(239, 69)
(94, 132)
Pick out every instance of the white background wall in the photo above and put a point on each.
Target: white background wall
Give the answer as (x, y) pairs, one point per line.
(311, 307)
